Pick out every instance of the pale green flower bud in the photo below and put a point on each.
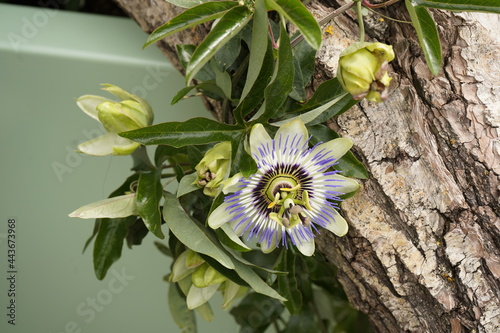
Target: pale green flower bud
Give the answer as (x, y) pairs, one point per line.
(185, 265)
(213, 169)
(362, 70)
(131, 113)
(205, 275)
(123, 116)
(193, 259)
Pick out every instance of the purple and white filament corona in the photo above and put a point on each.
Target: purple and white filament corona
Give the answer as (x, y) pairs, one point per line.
(293, 192)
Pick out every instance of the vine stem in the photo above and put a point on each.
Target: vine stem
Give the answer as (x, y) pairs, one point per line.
(324, 20)
(380, 5)
(361, 23)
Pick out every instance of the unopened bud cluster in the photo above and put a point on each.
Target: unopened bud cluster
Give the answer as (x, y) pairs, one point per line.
(362, 70)
(130, 113)
(213, 169)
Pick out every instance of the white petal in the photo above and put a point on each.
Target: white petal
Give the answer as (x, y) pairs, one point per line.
(338, 147)
(219, 216)
(306, 247)
(100, 146)
(199, 296)
(108, 144)
(88, 104)
(124, 146)
(339, 226)
(258, 136)
(265, 248)
(238, 228)
(116, 207)
(292, 128)
(345, 184)
(231, 185)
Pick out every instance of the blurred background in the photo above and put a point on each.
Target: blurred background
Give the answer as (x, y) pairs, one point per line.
(48, 58)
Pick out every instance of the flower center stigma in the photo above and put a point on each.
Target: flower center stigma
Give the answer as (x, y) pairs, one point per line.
(287, 201)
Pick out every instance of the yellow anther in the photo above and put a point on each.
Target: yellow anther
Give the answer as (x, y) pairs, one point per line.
(276, 199)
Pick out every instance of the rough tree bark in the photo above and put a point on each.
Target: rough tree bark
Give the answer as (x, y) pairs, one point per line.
(423, 250)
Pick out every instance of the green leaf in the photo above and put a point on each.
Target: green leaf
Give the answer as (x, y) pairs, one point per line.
(300, 16)
(191, 132)
(350, 166)
(109, 243)
(262, 268)
(287, 284)
(427, 35)
(255, 95)
(303, 57)
(204, 87)
(256, 312)
(489, 6)
(327, 92)
(184, 53)
(305, 321)
(164, 153)
(227, 55)
(277, 91)
(186, 185)
(182, 316)
(136, 233)
(228, 26)
(164, 249)
(192, 234)
(194, 16)
(311, 117)
(94, 233)
(306, 55)
(228, 237)
(254, 280)
(222, 80)
(241, 160)
(258, 46)
(149, 194)
(187, 3)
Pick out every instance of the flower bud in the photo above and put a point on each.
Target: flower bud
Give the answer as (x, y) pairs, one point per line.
(132, 112)
(123, 116)
(213, 169)
(204, 276)
(362, 70)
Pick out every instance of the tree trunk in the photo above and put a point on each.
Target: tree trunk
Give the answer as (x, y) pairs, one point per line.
(423, 250)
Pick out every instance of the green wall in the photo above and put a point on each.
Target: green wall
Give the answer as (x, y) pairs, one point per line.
(47, 59)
